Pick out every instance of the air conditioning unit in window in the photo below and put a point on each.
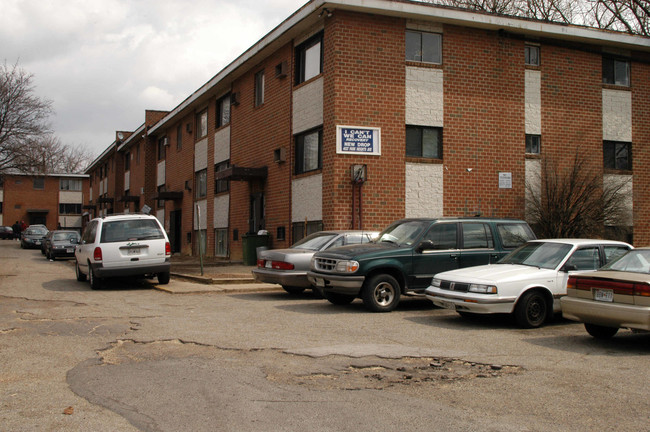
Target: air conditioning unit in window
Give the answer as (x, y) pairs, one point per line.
(282, 69)
(234, 98)
(279, 155)
(165, 141)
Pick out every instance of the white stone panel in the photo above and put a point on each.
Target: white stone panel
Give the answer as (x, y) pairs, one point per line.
(127, 180)
(70, 221)
(533, 181)
(424, 96)
(90, 192)
(101, 188)
(71, 197)
(533, 111)
(625, 183)
(307, 198)
(221, 211)
(2, 195)
(308, 106)
(617, 115)
(1, 220)
(424, 190)
(201, 215)
(160, 175)
(201, 155)
(222, 145)
(160, 215)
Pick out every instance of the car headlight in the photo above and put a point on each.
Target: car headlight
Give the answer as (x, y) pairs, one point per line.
(347, 266)
(482, 289)
(435, 283)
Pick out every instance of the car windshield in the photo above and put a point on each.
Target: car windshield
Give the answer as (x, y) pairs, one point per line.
(315, 241)
(403, 233)
(35, 231)
(546, 255)
(635, 261)
(130, 230)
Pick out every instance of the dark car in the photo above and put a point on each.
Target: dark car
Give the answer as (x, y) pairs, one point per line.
(32, 237)
(61, 243)
(6, 233)
(406, 255)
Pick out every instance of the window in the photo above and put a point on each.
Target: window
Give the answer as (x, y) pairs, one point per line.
(70, 209)
(617, 155)
(309, 151)
(477, 236)
(70, 184)
(202, 124)
(221, 185)
(309, 58)
(585, 259)
(179, 138)
(300, 230)
(531, 53)
(0, 207)
(162, 150)
(223, 111)
(259, 88)
(514, 235)
(221, 242)
(127, 161)
(39, 182)
(201, 183)
(616, 71)
(533, 144)
(423, 47)
(424, 142)
(443, 236)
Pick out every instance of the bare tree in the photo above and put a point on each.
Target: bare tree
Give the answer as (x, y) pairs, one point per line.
(630, 16)
(574, 201)
(23, 116)
(47, 155)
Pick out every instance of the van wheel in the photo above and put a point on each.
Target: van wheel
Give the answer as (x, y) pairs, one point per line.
(338, 299)
(81, 277)
(531, 310)
(95, 282)
(600, 332)
(163, 278)
(381, 293)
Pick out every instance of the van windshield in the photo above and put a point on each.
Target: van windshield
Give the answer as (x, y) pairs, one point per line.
(130, 230)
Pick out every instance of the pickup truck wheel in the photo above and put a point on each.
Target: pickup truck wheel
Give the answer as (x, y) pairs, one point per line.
(293, 289)
(600, 332)
(81, 277)
(531, 310)
(381, 293)
(338, 299)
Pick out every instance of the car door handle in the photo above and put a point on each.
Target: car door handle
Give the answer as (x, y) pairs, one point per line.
(454, 256)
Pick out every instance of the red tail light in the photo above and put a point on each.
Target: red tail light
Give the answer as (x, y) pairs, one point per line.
(281, 265)
(571, 283)
(260, 263)
(642, 289)
(97, 254)
(168, 249)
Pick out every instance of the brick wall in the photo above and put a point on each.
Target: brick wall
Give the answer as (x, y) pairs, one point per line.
(20, 196)
(484, 87)
(640, 79)
(364, 86)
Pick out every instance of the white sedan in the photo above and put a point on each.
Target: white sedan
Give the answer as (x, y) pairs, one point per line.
(528, 282)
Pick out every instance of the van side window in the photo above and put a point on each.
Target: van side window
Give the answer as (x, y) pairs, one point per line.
(90, 233)
(443, 236)
(477, 236)
(514, 235)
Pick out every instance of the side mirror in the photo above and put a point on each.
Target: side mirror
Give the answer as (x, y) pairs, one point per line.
(425, 245)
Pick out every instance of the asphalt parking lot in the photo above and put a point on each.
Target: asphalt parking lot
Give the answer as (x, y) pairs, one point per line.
(134, 357)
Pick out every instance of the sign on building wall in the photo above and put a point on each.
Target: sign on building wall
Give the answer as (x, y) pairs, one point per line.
(358, 140)
(505, 180)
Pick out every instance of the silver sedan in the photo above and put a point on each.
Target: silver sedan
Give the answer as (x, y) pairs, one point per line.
(288, 267)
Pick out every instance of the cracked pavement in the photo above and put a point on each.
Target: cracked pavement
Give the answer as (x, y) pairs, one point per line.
(132, 358)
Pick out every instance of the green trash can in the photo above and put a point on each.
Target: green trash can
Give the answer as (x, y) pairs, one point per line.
(250, 243)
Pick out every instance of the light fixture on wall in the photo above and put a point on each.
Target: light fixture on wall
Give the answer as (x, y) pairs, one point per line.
(326, 12)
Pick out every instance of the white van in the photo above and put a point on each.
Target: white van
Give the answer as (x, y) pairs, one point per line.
(124, 245)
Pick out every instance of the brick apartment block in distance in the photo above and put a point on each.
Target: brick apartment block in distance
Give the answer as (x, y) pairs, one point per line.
(352, 114)
(53, 200)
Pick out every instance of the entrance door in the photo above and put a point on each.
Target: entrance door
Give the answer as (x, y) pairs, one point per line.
(175, 230)
(37, 218)
(256, 221)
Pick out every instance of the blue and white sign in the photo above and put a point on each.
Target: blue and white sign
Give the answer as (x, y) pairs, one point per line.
(358, 140)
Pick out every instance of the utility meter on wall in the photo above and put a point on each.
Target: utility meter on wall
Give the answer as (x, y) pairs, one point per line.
(358, 173)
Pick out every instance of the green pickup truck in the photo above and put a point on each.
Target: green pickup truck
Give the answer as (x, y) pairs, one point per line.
(406, 255)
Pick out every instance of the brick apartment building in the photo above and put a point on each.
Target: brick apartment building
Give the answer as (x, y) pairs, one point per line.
(352, 114)
(54, 200)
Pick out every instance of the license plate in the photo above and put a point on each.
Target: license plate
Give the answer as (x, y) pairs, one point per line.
(320, 283)
(268, 264)
(37, 242)
(69, 250)
(133, 251)
(446, 305)
(604, 295)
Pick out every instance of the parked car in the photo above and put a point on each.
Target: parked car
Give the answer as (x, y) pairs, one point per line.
(615, 296)
(123, 245)
(407, 254)
(61, 243)
(289, 267)
(528, 283)
(6, 233)
(32, 237)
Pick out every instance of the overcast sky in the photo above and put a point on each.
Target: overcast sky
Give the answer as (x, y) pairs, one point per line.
(102, 63)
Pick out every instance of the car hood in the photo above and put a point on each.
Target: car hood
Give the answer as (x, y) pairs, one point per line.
(360, 251)
(496, 273)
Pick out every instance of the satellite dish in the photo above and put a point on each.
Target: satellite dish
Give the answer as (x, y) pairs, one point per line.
(120, 135)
